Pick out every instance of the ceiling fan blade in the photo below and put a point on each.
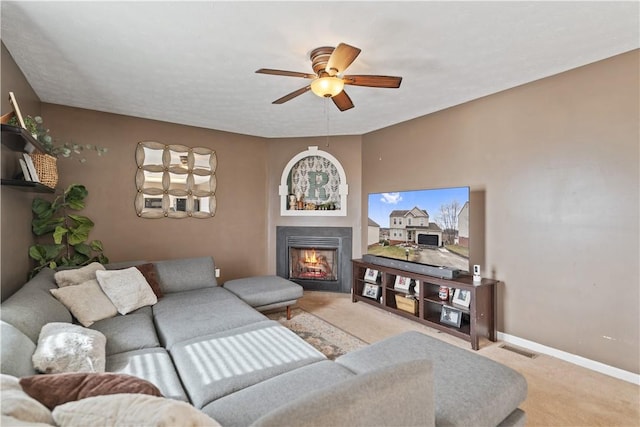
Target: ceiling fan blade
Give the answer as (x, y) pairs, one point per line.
(342, 101)
(285, 73)
(342, 56)
(292, 95)
(373, 81)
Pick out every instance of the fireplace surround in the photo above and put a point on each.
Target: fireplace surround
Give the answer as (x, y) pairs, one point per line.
(317, 258)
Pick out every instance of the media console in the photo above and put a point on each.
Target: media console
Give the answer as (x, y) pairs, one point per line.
(476, 321)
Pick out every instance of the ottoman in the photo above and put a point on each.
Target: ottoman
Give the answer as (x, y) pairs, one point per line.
(266, 292)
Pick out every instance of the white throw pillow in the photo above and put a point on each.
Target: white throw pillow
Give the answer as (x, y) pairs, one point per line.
(18, 408)
(130, 410)
(87, 302)
(65, 347)
(77, 276)
(127, 289)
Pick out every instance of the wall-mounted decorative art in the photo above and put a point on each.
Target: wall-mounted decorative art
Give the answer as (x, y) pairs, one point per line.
(175, 181)
(313, 184)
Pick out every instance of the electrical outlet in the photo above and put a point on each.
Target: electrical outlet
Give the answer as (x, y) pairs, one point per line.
(217, 272)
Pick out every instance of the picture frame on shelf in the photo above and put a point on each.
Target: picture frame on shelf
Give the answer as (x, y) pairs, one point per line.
(16, 109)
(371, 275)
(462, 297)
(372, 291)
(451, 316)
(402, 284)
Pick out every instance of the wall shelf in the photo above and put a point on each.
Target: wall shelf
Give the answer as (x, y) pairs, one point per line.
(29, 186)
(21, 141)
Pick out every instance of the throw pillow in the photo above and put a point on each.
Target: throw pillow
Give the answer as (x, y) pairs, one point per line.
(87, 302)
(77, 276)
(19, 405)
(56, 389)
(127, 289)
(65, 347)
(151, 275)
(130, 410)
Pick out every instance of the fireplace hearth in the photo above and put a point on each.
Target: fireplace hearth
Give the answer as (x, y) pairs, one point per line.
(317, 258)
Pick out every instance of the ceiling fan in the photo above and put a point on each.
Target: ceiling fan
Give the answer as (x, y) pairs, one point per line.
(329, 65)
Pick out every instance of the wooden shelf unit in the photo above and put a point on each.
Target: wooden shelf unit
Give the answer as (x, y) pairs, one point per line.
(478, 320)
(20, 140)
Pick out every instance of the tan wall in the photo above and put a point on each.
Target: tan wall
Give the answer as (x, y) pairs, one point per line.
(15, 205)
(347, 150)
(241, 174)
(556, 162)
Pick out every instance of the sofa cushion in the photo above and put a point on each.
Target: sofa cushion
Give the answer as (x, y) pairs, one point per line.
(86, 301)
(35, 299)
(76, 276)
(16, 351)
(461, 377)
(397, 395)
(56, 389)
(184, 315)
(130, 410)
(214, 366)
(264, 290)
(19, 405)
(232, 410)
(127, 289)
(134, 331)
(149, 272)
(64, 347)
(151, 364)
(177, 275)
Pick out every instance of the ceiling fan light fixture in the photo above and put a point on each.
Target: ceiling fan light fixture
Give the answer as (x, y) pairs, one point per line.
(327, 87)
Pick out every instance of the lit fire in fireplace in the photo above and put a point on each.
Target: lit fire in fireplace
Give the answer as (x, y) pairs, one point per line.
(314, 265)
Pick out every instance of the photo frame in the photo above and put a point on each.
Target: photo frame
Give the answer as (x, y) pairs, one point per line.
(16, 109)
(451, 316)
(371, 291)
(462, 297)
(371, 275)
(402, 284)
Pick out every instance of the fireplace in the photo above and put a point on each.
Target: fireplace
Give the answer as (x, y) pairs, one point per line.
(317, 258)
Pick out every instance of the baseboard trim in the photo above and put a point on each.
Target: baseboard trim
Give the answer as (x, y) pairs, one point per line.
(572, 358)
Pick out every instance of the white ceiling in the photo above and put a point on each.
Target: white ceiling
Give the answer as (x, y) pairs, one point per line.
(194, 62)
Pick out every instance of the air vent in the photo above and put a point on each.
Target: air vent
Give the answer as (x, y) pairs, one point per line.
(519, 351)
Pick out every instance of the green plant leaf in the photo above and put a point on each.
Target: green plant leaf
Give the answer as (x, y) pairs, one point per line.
(96, 245)
(74, 196)
(40, 227)
(41, 208)
(59, 233)
(45, 253)
(82, 248)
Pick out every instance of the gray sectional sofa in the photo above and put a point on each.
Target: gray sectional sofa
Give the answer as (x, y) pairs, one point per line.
(202, 344)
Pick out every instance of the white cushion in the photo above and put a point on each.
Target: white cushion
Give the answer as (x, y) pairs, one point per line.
(87, 302)
(18, 408)
(127, 289)
(77, 276)
(129, 410)
(65, 347)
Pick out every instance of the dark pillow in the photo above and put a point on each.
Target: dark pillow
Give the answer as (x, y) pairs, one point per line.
(55, 389)
(149, 273)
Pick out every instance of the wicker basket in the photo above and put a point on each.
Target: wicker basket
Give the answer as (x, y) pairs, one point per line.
(47, 168)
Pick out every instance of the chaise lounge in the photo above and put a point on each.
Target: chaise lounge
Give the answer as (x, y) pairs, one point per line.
(201, 343)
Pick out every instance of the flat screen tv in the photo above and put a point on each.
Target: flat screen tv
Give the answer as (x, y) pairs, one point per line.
(429, 226)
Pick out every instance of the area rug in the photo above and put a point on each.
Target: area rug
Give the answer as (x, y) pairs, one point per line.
(326, 338)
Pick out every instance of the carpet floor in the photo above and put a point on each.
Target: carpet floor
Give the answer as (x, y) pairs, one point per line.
(560, 393)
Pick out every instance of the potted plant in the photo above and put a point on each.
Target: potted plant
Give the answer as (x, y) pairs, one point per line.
(46, 163)
(69, 232)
